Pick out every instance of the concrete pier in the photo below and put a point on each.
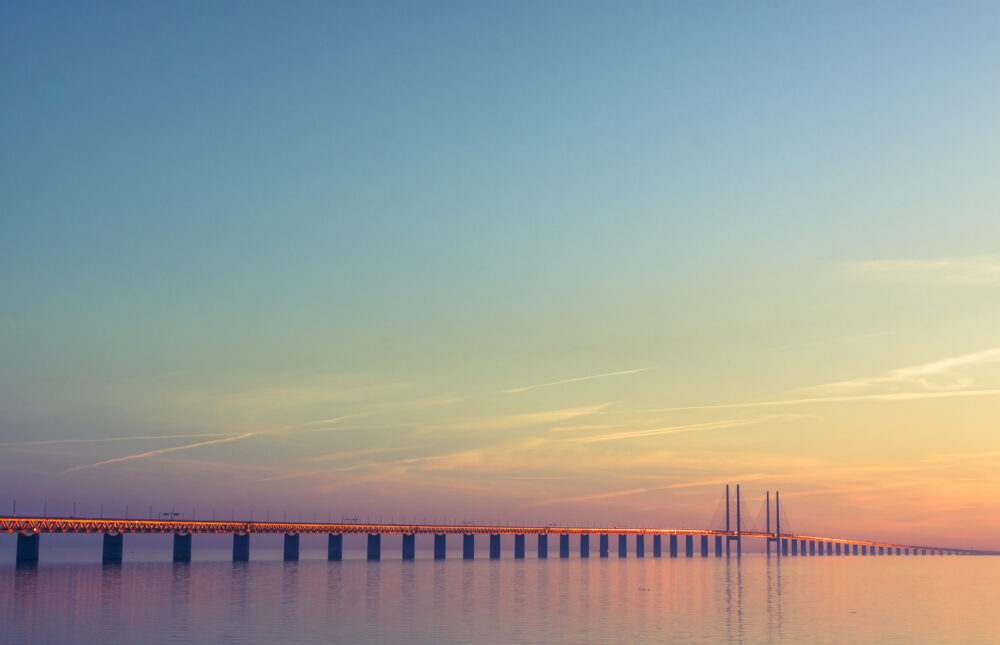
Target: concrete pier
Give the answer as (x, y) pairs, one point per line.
(864, 549)
(584, 545)
(291, 547)
(718, 546)
(820, 548)
(27, 548)
(409, 546)
(469, 546)
(640, 546)
(802, 547)
(795, 547)
(335, 547)
(881, 550)
(854, 549)
(657, 545)
(688, 546)
(111, 553)
(494, 546)
(564, 545)
(519, 546)
(543, 545)
(838, 548)
(673, 546)
(704, 546)
(440, 546)
(374, 546)
(622, 546)
(241, 547)
(603, 545)
(812, 548)
(906, 552)
(182, 547)
(898, 551)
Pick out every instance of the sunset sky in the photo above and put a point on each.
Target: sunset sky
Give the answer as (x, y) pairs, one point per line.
(536, 262)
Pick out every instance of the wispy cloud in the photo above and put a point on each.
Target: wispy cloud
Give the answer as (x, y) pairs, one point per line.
(151, 437)
(935, 376)
(590, 498)
(518, 420)
(584, 428)
(576, 379)
(972, 270)
(650, 432)
(892, 396)
(350, 454)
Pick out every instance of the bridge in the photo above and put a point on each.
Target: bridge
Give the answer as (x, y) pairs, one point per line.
(29, 530)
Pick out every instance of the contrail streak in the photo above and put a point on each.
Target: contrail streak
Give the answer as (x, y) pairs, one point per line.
(162, 451)
(573, 380)
(892, 396)
(48, 442)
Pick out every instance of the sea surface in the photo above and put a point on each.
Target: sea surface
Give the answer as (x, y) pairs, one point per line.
(756, 599)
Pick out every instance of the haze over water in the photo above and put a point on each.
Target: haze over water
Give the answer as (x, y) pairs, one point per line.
(752, 600)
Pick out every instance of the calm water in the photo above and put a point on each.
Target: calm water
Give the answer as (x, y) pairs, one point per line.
(756, 600)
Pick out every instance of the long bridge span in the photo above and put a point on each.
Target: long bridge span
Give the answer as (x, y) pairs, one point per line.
(29, 530)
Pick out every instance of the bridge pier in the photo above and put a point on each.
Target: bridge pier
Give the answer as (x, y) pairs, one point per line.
(838, 548)
(881, 550)
(291, 547)
(673, 545)
(519, 546)
(603, 546)
(182, 547)
(802, 547)
(409, 546)
(543, 546)
(241, 547)
(335, 547)
(657, 545)
(906, 552)
(27, 548)
(374, 546)
(622, 546)
(898, 551)
(854, 549)
(640, 546)
(469, 546)
(111, 552)
(584, 545)
(494, 546)
(718, 546)
(812, 548)
(704, 546)
(923, 551)
(689, 546)
(784, 546)
(795, 547)
(440, 546)
(564, 545)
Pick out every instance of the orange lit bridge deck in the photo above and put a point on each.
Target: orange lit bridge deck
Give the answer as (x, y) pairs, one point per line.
(29, 528)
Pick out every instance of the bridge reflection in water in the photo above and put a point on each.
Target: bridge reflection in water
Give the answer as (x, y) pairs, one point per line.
(719, 541)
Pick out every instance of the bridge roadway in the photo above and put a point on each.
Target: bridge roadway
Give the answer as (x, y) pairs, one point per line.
(30, 528)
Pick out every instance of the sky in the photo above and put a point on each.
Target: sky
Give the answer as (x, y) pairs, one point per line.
(567, 262)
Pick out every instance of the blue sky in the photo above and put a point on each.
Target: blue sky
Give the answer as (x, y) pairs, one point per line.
(243, 217)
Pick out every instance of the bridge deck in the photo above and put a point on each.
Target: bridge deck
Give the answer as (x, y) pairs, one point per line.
(93, 525)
